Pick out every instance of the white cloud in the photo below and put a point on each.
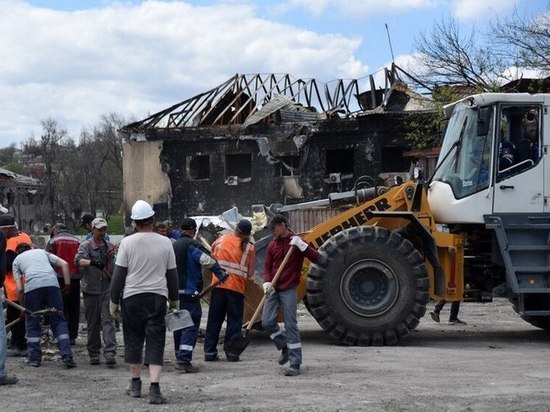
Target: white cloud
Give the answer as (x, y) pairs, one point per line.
(135, 60)
(360, 8)
(467, 10)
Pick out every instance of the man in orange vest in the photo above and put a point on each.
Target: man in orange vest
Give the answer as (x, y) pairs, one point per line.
(14, 238)
(236, 254)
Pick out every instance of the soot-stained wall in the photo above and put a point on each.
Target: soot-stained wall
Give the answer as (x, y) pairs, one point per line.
(214, 169)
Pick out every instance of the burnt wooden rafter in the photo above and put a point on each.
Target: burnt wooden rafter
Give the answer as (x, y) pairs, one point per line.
(239, 97)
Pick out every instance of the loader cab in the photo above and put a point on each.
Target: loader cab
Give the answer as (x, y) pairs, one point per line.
(490, 160)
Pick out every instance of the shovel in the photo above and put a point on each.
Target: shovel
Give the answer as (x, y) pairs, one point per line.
(181, 319)
(238, 342)
(37, 314)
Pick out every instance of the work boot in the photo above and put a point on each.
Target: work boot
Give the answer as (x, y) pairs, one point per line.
(134, 388)
(435, 316)
(68, 361)
(456, 322)
(293, 370)
(283, 357)
(94, 360)
(16, 352)
(211, 358)
(155, 397)
(232, 358)
(110, 361)
(8, 380)
(186, 367)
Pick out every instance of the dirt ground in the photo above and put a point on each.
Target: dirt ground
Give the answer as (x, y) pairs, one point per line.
(495, 362)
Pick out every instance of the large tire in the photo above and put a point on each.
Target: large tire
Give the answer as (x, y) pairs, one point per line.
(370, 287)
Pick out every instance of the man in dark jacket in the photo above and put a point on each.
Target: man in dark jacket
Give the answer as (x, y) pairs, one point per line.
(283, 293)
(190, 259)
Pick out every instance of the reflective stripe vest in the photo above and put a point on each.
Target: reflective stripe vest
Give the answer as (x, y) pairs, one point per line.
(237, 263)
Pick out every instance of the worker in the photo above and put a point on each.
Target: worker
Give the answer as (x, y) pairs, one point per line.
(5, 379)
(191, 257)
(161, 228)
(14, 237)
(145, 276)
(95, 260)
(236, 254)
(453, 317)
(171, 232)
(284, 294)
(41, 289)
(87, 219)
(65, 245)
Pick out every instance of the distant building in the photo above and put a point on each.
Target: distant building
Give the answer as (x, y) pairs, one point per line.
(22, 196)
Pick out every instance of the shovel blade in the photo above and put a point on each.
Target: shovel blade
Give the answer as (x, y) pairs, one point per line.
(237, 343)
(178, 320)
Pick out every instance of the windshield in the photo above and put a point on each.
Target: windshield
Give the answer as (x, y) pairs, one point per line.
(466, 151)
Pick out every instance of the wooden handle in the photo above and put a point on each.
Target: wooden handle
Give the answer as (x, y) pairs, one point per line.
(16, 306)
(273, 282)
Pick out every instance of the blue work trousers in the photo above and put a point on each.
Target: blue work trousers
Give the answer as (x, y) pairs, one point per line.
(290, 336)
(47, 297)
(186, 339)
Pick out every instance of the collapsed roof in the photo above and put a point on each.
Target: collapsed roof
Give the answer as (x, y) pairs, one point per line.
(246, 99)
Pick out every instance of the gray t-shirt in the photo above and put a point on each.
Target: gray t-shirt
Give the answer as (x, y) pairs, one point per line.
(147, 256)
(36, 266)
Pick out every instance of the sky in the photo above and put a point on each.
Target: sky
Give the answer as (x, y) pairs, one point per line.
(75, 61)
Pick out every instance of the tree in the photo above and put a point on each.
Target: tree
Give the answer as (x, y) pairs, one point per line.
(446, 57)
(6, 154)
(523, 40)
(48, 148)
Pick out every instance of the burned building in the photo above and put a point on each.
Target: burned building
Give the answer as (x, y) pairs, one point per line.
(269, 139)
(22, 196)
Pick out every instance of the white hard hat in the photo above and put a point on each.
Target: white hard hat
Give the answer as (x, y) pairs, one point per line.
(142, 210)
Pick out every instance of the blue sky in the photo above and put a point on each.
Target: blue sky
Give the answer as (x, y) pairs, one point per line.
(73, 61)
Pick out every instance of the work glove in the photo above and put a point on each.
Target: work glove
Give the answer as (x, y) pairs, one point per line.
(114, 309)
(66, 289)
(299, 243)
(268, 288)
(174, 305)
(98, 264)
(224, 276)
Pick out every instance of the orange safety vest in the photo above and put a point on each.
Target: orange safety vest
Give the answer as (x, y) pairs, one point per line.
(237, 263)
(10, 287)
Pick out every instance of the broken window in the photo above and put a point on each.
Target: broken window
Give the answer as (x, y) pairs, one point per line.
(392, 159)
(288, 166)
(238, 165)
(339, 161)
(197, 167)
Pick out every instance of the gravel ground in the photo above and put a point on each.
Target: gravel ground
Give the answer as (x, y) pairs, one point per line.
(497, 362)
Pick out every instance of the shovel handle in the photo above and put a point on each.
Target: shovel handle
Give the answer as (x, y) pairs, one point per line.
(17, 306)
(273, 282)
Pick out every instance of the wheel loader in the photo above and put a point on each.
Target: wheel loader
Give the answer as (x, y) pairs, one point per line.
(478, 228)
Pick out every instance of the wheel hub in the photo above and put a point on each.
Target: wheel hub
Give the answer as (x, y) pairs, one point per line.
(369, 287)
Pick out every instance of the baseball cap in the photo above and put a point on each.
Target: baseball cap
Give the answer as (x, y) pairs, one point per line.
(276, 220)
(244, 226)
(99, 223)
(7, 220)
(86, 218)
(188, 224)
